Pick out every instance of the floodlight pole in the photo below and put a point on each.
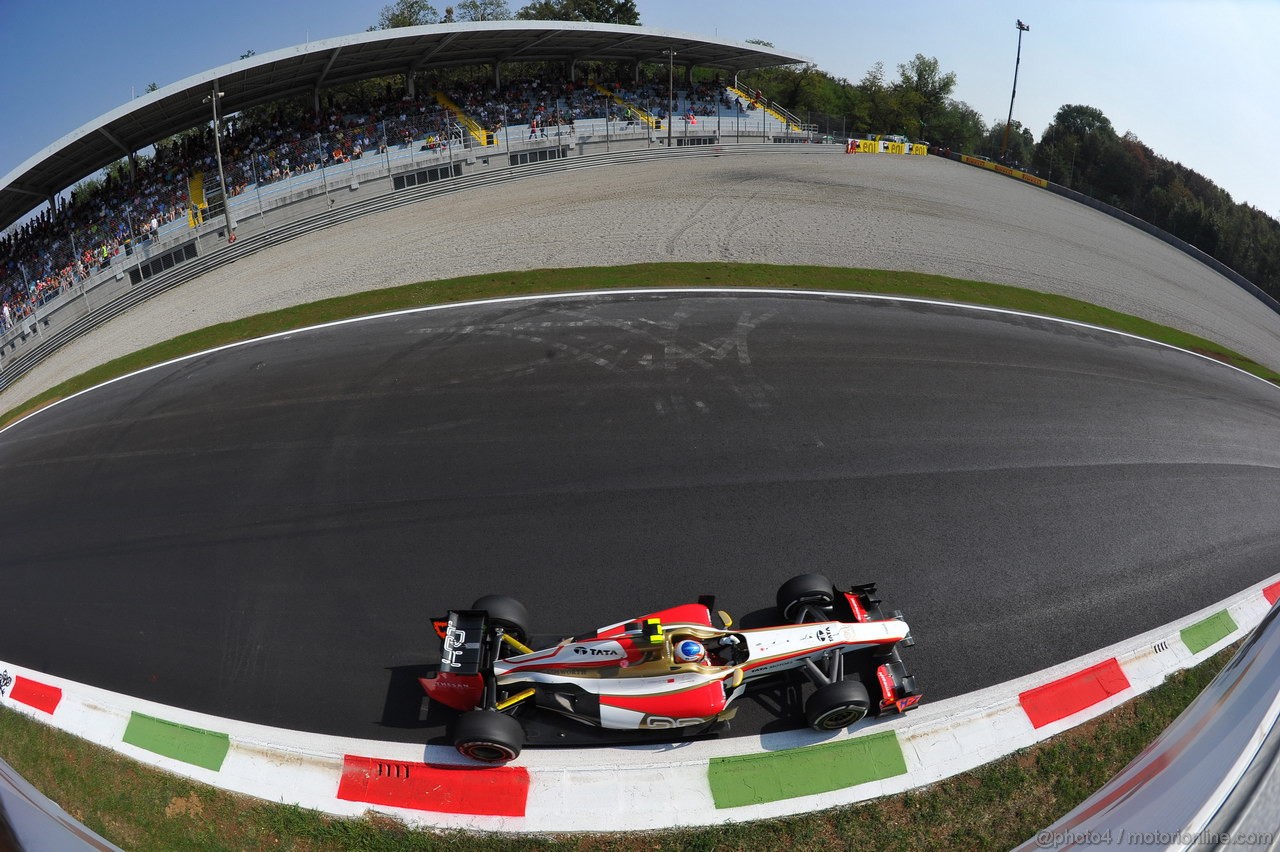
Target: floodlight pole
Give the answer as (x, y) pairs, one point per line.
(222, 179)
(1022, 28)
(671, 97)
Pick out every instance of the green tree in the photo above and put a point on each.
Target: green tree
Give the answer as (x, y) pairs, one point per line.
(1022, 144)
(1076, 147)
(922, 91)
(483, 10)
(597, 11)
(833, 104)
(1081, 149)
(884, 112)
(957, 126)
(1078, 120)
(406, 13)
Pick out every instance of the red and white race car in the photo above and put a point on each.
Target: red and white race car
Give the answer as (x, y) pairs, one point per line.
(678, 668)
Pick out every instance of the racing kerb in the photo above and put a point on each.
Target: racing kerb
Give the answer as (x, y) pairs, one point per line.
(652, 787)
(641, 787)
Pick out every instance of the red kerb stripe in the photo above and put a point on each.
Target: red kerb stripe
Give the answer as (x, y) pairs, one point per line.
(1073, 693)
(35, 694)
(487, 790)
(1272, 593)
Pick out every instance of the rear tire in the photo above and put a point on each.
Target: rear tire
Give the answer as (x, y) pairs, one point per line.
(507, 613)
(837, 705)
(488, 736)
(804, 589)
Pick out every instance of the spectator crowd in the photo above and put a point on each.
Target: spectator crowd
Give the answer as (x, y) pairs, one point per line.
(102, 220)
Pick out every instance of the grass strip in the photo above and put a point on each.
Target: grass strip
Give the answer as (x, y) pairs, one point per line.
(1213, 629)
(638, 276)
(752, 779)
(996, 806)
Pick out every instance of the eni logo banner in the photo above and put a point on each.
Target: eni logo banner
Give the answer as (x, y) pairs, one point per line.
(1004, 170)
(882, 146)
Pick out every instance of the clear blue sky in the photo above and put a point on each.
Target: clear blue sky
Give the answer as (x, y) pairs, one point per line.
(1197, 81)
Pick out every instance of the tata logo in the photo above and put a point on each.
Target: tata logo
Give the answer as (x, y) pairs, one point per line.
(454, 641)
(595, 652)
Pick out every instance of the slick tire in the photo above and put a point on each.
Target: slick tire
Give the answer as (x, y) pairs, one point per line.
(812, 589)
(507, 613)
(488, 736)
(837, 705)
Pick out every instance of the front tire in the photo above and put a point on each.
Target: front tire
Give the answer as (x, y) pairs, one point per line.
(507, 613)
(812, 589)
(837, 705)
(488, 736)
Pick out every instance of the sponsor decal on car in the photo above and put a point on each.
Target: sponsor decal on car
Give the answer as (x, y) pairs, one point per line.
(825, 634)
(454, 641)
(887, 686)
(663, 723)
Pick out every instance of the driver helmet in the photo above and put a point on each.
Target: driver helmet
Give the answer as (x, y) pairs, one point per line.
(690, 651)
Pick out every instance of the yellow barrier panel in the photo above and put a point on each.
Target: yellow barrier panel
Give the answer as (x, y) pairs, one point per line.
(1005, 170)
(195, 191)
(878, 146)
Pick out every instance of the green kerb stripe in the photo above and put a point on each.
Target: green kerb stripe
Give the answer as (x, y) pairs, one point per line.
(755, 778)
(1213, 629)
(190, 745)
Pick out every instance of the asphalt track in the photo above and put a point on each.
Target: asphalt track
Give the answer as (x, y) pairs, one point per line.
(263, 532)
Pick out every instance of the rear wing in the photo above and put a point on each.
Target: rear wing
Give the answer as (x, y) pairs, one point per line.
(463, 638)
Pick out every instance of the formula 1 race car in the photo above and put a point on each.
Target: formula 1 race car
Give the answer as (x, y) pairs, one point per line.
(678, 668)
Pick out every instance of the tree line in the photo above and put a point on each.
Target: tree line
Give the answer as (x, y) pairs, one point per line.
(416, 13)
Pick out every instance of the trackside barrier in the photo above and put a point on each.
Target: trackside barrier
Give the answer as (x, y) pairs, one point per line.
(1141, 224)
(1004, 170)
(884, 146)
(31, 821)
(688, 784)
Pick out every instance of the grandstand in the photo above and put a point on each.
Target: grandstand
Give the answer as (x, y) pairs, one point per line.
(163, 199)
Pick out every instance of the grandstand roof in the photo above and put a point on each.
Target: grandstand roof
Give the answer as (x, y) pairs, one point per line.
(305, 67)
